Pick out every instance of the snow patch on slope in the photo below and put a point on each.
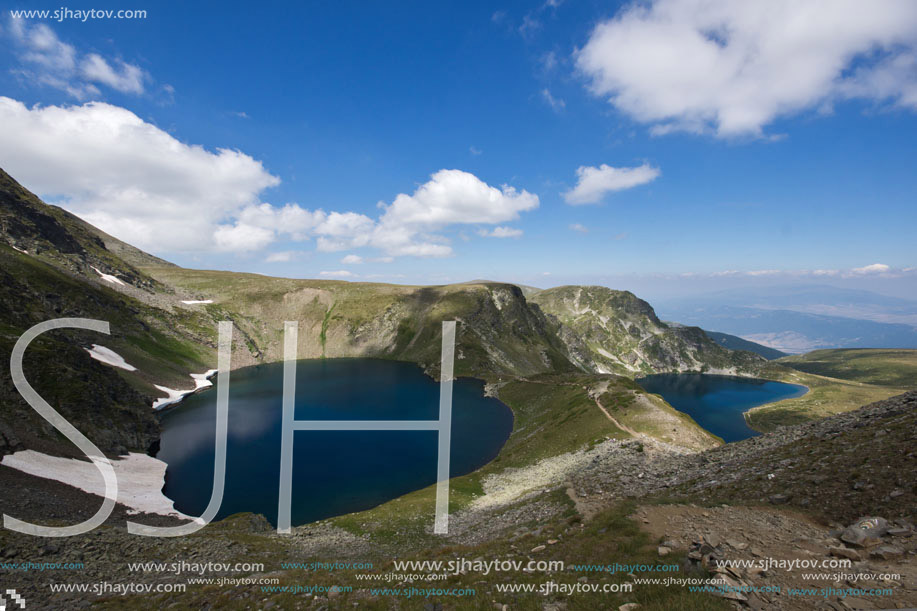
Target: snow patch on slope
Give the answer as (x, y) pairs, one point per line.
(140, 478)
(109, 357)
(109, 277)
(201, 380)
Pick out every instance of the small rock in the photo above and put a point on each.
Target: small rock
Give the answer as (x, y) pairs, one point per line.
(755, 603)
(662, 550)
(861, 537)
(757, 571)
(629, 607)
(872, 527)
(739, 545)
(845, 552)
(852, 536)
(778, 499)
(259, 524)
(887, 552)
(538, 548)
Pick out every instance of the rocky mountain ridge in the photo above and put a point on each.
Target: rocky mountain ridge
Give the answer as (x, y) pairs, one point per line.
(622, 334)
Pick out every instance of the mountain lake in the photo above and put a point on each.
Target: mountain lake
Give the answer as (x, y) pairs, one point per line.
(718, 403)
(334, 472)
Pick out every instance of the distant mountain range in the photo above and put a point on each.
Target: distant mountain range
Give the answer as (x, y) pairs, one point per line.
(734, 342)
(802, 318)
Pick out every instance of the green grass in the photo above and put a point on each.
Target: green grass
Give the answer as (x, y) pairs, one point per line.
(100, 400)
(881, 367)
(553, 414)
(826, 397)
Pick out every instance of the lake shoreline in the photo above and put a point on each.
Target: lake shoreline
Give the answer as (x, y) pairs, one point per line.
(747, 413)
(714, 401)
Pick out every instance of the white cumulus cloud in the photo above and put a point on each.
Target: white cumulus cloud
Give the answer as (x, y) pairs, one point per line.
(409, 226)
(500, 232)
(241, 237)
(594, 183)
(126, 78)
(734, 67)
(47, 60)
(131, 179)
(454, 196)
(142, 185)
(451, 197)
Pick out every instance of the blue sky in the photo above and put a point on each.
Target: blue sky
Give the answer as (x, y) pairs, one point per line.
(713, 162)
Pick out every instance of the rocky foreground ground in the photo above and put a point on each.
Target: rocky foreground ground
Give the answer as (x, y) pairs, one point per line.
(843, 488)
(840, 488)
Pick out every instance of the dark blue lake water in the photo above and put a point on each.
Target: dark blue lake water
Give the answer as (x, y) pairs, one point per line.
(718, 403)
(334, 472)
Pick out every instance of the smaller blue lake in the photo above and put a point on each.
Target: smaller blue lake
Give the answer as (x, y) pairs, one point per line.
(719, 403)
(334, 472)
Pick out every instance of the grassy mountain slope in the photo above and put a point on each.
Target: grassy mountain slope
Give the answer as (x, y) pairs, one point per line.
(826, 397)
(111, 406)
(886, 367)
(47, 258)
(623, 334)
(558, 421)
(498, 331)
(838, 381)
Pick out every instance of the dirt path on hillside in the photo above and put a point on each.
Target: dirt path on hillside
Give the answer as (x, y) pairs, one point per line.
(623, 427)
